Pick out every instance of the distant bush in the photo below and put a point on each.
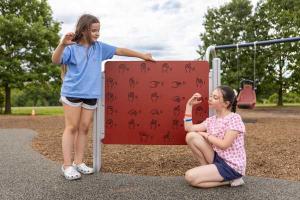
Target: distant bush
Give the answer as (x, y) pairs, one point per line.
(287, 98)
(35, 96)
(291, 98)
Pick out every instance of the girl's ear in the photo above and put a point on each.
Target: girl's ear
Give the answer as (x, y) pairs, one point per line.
(227, 103)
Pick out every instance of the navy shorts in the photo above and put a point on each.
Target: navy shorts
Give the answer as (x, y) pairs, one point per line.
(224, 169)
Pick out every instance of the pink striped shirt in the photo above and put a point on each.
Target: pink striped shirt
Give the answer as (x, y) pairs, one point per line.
(235, 155)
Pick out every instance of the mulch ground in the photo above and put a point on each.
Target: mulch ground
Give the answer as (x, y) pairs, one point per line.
(272, 146)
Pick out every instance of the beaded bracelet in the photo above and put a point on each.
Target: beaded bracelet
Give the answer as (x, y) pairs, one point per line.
(188, 120)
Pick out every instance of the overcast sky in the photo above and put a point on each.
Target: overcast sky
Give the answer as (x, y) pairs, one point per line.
(169, 29)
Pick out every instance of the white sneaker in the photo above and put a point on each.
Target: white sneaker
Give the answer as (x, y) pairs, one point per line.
(82, 168)
(237, 182)
(70, 173)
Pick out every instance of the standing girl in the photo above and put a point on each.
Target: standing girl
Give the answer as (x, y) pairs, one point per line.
(82, 54)
(217, 143)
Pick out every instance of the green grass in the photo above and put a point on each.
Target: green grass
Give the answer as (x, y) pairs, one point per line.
(51, 110)
(274, 105)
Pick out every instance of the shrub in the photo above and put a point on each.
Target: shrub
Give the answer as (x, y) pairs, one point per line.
(287, 98)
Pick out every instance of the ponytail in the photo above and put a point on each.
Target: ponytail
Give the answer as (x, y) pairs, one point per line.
(233, 106)
(229, 95)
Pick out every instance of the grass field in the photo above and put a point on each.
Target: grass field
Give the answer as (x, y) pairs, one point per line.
(274, 105)
(51, 110)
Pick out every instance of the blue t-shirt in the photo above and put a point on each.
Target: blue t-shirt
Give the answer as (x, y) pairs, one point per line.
(83, 77)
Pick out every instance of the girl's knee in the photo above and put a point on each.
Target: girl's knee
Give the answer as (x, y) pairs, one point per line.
(190, 177)
(193, 136)
(84, 128)
(71, 129)
(189, 137)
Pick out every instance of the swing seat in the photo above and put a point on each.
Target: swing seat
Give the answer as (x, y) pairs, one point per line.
(246, 98)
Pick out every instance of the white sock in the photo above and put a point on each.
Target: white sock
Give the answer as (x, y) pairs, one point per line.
(237, 182)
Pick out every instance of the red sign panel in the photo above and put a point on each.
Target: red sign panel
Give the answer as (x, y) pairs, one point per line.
(145, 101)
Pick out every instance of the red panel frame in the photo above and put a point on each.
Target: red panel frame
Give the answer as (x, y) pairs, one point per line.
(145, 101)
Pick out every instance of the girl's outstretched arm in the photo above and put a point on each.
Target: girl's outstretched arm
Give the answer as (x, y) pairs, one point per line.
(131, 53)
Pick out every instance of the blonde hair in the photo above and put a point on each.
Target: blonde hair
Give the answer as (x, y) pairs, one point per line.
(63, 71)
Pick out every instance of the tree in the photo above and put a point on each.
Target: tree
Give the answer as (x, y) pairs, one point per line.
(277, 66)
(227, 25)
(36, 94)
(28, 35)
(1, 101)
(280, 19)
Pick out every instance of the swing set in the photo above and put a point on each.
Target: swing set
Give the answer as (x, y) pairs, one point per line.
(247, 92)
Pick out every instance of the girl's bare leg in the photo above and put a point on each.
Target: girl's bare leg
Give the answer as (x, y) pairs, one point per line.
(205, 176)
(72, 117)
(201, 149)
(82, 136)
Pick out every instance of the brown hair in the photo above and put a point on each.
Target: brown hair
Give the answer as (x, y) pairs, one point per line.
(83, 24)
(229, 95)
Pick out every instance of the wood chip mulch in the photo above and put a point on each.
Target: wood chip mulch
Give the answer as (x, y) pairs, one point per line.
(272, 146)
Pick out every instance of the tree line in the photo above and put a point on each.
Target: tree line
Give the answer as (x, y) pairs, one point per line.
(277, 66)
(29, 34)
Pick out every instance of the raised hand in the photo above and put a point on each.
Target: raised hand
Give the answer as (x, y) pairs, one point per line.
(67, 39)
(195, 99)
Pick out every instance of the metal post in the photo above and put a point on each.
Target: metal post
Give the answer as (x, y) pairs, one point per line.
(95, 141)
(210, 89)
(210, 85)
(98, 129)
(214, 77)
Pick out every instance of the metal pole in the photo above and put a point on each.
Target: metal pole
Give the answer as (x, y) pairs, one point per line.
(99, 129)
(214, 78)
(254, 67)
(95, 140)
(212, 49)
(258, 43)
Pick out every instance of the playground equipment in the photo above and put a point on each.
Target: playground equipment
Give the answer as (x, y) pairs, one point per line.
(247, 97)
(145, 102)
(132, 128)
(247, 89)
(247, 94)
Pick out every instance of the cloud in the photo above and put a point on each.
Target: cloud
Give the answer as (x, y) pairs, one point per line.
(169, 29)
(170, 6)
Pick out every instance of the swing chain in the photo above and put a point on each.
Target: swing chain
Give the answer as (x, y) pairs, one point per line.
(237, 65)
(254, 66)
